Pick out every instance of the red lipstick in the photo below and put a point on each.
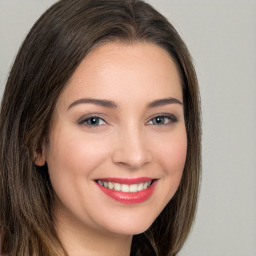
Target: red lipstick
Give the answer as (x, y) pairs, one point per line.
(128, 197)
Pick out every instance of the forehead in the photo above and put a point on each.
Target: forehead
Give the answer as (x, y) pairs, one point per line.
(116, 68)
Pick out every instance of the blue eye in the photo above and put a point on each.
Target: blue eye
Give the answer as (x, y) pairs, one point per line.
(92, 121)
(163, 120)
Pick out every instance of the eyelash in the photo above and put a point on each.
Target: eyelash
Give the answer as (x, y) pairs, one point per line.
(84, 120)
(168, 119)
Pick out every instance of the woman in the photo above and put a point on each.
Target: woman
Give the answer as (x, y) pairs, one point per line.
(100, 134)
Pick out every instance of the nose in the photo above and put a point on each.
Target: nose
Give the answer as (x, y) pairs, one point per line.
(131, 149)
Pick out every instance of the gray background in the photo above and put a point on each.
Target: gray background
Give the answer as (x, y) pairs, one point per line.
(221, 36)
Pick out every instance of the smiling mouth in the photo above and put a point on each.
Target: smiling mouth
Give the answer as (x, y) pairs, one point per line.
(128, 190)
(122, 187)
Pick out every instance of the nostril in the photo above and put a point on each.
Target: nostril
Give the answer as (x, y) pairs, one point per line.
(131, 159)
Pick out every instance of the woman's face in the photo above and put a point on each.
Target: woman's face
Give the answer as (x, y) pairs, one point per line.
(119, 122)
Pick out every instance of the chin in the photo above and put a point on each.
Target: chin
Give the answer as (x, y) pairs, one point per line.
(131, 230)
(130, 225)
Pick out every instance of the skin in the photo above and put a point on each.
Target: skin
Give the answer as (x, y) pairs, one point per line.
(126, 142)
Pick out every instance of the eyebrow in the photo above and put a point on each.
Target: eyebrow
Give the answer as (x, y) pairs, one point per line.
(99, 102)
(162, 102)
(112, 104)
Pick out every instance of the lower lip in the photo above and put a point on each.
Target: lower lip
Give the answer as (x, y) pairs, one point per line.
(129, 197)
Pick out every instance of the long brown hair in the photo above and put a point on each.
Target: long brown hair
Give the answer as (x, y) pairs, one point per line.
(51, 52)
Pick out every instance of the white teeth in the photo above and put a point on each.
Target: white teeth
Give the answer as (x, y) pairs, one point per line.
(140, 187)
(133, 188)
(125, 188)
(117, 186)
(110, 185)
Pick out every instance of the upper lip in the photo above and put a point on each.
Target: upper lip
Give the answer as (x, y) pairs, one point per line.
(127, 180)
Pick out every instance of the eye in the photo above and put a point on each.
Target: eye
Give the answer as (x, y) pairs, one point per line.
(92, 121)
(162, 120)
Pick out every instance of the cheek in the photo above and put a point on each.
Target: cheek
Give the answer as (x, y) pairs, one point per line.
(72, 157)
(172, 157)
(177, 156)
(172, 154)
(71, 161)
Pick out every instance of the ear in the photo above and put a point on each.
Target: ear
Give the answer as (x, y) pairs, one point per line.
(39, 157)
